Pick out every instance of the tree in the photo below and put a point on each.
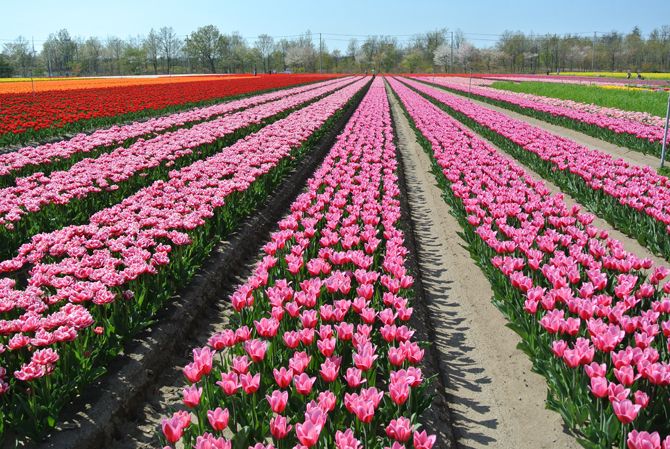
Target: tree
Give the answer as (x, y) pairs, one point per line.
(512, 46)
(203, 45)
(412, 61)
(19, 55)
(265, 44)
(134, 56)
(389, 54)
(297, 56)
(465, 54)
(612, 42)
(235, 52)
(92, 52)
(301, 53)
(114, 49)
(442, 56)
(169, 45)
(152, 46)
(59, 51)
(634, 49)
(5, 67)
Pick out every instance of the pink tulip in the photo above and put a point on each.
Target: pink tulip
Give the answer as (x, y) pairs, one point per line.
(327, 401)
(256, 349)
(643, 440)
(329, 370)
(308, 432)
(283, 376)
(423, 441)
(626, 411)
(399, 429)
(399, 392)
(229, 383)
(279, 427)
(173, 428)
(218, 418)
(278, 400)
(346, 440)
(599, 387)
(241, 364)
(249, 383)
(208, 441)
(303, 383)
(192, 396)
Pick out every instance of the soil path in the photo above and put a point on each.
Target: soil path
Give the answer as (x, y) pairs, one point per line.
(631, 156)
(494, 398)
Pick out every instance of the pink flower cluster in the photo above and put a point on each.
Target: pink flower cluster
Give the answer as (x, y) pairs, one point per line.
(80, 267)
(619, 125)
(596, 308)
(569, 79)
(322, 352)
(106, 172)
(115, 135)
(639, 187)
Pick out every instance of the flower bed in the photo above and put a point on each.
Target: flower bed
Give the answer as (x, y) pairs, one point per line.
(593, 317)
(629, 133)
(79, 292)
(634, 199)
(54, 112)
(319, 352)
(40, 203)
(62, 154)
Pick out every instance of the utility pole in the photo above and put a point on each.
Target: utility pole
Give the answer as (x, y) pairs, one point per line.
(451, 58)
(32, 66)
(593, 52)
(320, 54)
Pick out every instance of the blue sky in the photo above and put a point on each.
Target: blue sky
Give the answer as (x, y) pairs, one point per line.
(481, 20)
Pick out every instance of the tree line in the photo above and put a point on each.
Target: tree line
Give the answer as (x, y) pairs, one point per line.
(208, 50)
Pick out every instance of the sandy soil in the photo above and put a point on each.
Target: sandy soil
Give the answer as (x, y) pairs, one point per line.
(630, 156)
(495, 399)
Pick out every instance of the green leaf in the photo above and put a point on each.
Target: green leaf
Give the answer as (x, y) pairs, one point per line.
(588, 444)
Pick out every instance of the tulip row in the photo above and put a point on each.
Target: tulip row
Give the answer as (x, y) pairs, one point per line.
(70, 298)
(629, 133)
(63, 154)
(40, 203)
(635, 199)
(30, 117)
(596, 78)
(319, 353)
(635, 116)
(592, 316)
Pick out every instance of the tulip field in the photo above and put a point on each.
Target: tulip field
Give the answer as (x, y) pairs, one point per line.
(117, 195)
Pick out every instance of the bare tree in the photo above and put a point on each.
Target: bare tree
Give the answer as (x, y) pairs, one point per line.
(152, 47)
(169, 45)
(20, 55)
(265, 44)
(114, 48)
(92, 52)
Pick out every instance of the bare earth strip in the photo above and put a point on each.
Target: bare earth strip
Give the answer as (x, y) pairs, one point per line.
(631, 156)
(495, 399)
